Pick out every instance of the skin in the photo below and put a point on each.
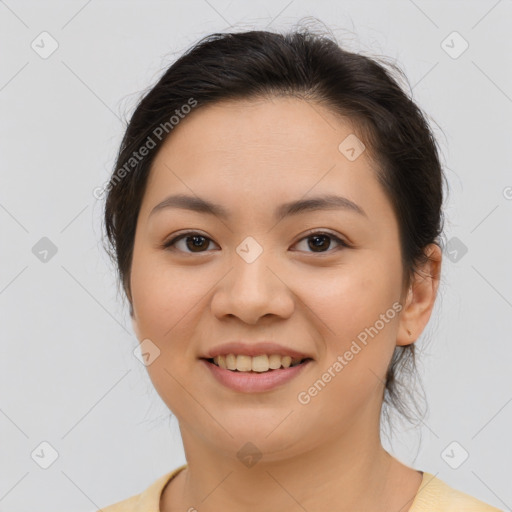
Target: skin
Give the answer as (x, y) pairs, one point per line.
(251, 156)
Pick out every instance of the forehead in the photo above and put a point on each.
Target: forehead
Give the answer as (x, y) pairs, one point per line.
(265, 150)
(283, 127)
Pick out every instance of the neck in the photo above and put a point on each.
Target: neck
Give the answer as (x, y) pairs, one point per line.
(348, 471)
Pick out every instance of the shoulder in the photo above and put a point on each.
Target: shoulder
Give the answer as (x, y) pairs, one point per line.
(436, 495)
(146, 501)
(127, 505)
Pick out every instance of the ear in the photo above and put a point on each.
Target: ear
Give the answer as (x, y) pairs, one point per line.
(421, 297)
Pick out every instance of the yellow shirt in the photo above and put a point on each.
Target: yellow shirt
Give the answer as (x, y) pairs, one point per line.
(432, 496)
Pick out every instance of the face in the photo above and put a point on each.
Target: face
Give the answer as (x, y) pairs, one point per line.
(324, 282)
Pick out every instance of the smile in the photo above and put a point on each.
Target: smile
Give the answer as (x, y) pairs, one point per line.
(261, 363)
(252, 381)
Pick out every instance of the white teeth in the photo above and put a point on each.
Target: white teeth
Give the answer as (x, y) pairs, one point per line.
(244, 363)
(230, 362)
(286, 361)
(274, 361)
(261, 363)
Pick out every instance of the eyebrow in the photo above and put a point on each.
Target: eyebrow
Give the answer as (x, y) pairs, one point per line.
(324, 202)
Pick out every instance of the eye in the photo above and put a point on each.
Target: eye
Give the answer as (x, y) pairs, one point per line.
(320, 241)
(196, 242)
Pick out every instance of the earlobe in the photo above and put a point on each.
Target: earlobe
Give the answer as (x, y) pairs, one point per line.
(421, 298)
(405, 335)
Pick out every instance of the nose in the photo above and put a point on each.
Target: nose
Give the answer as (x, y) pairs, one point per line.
(253, 290)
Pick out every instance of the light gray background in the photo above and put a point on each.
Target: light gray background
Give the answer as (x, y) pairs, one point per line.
(68, 375)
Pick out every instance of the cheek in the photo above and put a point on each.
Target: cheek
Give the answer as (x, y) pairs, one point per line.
(357, 343)
(355, 309)
(162, 294)
(168, 302)
(164, 311)
(350, 298)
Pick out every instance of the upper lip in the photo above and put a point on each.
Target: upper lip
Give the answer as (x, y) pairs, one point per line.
(254, 349)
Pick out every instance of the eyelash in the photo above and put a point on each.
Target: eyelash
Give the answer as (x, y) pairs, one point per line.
(169, 244)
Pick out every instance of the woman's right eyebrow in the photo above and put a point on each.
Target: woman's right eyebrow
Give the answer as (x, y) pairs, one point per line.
(200, 205)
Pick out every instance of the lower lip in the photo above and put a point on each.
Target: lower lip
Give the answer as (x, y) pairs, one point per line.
(249, 382)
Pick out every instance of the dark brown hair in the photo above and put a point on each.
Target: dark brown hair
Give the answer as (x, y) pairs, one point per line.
(256, 64)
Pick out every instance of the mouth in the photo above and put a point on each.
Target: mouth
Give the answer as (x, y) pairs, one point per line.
(257, 364)
(258, 374)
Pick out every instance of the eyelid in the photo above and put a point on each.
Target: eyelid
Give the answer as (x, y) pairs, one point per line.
(169, 243)
(320, 231)
(339, 239)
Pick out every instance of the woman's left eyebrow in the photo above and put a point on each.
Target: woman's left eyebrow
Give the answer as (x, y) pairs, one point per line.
(200, 205)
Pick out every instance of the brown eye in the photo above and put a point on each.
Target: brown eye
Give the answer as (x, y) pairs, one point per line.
(194, 242)
(320, 242)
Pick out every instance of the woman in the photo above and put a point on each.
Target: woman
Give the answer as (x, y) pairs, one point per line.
(275, 215)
